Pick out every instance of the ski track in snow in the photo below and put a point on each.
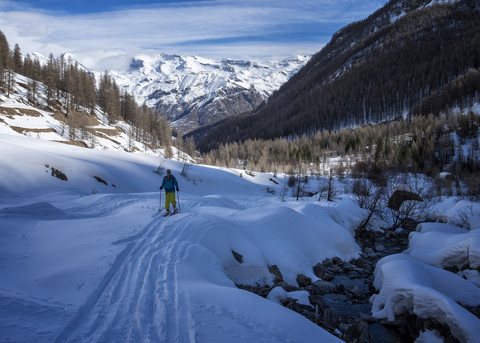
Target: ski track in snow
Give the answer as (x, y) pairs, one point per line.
(139, 299)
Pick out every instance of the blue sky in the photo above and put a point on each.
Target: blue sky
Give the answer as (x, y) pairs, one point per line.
(105, 34)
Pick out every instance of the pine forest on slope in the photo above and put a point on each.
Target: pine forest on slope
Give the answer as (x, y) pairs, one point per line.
(410, 73)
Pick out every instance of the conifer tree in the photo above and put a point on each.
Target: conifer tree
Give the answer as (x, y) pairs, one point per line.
(4, 60)
(17, 60)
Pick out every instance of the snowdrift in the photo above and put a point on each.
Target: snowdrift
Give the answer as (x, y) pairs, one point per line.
(417, 282)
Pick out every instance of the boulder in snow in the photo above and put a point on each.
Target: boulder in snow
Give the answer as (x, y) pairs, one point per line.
(399, 196)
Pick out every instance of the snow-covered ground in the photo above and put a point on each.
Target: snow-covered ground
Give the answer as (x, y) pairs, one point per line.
(87, 261)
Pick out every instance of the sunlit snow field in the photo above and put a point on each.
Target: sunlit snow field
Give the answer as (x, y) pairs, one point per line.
(85, 261)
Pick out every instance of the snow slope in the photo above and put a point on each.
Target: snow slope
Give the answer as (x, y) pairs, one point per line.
(89, 261)
(78, 266)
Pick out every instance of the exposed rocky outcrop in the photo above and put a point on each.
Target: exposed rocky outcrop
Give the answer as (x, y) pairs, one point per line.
(205, 110)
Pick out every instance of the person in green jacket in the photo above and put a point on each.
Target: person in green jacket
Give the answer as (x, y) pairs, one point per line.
(170, 184)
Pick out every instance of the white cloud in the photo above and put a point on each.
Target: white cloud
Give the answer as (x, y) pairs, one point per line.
(209, 28)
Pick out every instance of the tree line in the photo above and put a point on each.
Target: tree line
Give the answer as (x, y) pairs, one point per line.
(423, 144)
(73, 91)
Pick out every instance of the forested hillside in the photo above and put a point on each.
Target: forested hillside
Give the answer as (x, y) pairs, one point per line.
(427, 145)
(396, 93)
(405, 59)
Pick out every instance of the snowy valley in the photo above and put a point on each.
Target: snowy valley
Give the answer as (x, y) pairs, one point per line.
(84, 260)
(85, 256)
(294, 243)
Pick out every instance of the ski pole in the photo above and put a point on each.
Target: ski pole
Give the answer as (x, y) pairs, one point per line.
(160, 207)
(178, 199)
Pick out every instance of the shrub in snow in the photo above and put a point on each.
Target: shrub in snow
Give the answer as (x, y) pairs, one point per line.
(467, 217)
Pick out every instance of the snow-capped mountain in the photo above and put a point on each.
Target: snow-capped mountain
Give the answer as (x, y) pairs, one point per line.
(193, 91)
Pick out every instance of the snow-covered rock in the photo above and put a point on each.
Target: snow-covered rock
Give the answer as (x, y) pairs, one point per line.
(416, 282)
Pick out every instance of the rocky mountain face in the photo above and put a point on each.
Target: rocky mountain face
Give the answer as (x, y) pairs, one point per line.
(394, 64)
(192, 91)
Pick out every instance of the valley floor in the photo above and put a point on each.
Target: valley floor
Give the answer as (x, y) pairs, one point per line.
(83, 260)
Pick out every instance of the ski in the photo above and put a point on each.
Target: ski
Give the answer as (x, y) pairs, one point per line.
(161, 214)
(164, 214)
(170, 213)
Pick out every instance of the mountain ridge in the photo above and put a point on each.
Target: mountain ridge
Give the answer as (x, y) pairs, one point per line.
(192, 91)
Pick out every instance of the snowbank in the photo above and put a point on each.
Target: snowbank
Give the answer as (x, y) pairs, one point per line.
(415, 281)
(445, 246)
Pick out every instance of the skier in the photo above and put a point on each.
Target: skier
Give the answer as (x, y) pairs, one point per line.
(170, 184)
